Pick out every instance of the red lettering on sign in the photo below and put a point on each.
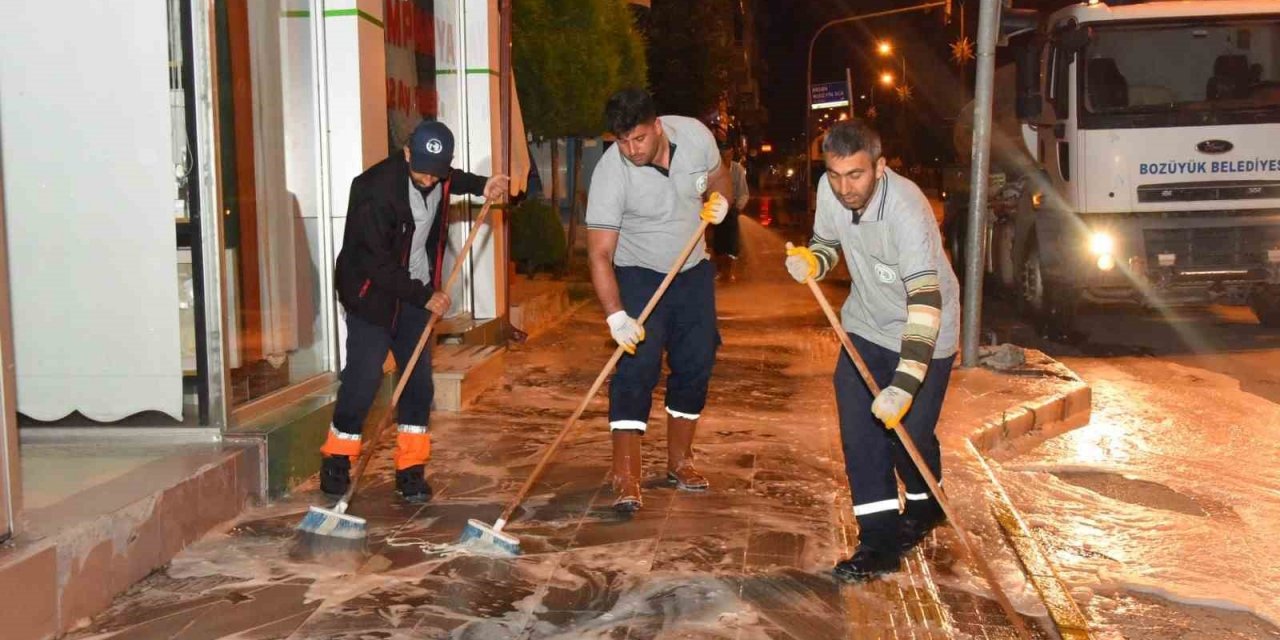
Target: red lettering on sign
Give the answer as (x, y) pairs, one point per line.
(391, 15)
(423, 33)
(426, 102)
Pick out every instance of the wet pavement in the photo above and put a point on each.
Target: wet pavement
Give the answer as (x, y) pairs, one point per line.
(1162, 512)
(748, 559)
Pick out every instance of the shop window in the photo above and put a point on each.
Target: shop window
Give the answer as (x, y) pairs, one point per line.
(267, 131)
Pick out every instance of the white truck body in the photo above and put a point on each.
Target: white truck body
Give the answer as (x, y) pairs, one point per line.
(1150, 170)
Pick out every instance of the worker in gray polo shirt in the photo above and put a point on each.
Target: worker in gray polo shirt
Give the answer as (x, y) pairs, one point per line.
(903, 315)
(649, 194)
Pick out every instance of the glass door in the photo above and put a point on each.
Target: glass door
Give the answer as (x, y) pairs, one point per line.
(276, 277)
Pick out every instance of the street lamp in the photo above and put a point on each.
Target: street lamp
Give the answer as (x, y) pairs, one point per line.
(886, 79)
(885, 48)
(808, 84)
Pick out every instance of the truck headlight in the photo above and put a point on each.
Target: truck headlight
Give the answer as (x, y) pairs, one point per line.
(1102, 243)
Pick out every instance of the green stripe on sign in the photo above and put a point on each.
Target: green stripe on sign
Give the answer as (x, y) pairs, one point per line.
(470, 72)
(331, 13)
(335, 13)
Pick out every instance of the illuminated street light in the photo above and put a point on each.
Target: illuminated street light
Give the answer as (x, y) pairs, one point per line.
(885, 48)
(808, 73)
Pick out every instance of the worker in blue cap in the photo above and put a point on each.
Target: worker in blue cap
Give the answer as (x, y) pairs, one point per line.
(388, 280)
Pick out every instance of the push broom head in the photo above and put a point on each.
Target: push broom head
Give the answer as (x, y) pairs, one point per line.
(487, 539)
(325, 532)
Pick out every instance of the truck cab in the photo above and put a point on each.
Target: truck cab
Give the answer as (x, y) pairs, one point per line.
(1149, 167)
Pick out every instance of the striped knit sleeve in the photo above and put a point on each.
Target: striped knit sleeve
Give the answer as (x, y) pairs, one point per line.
(825, 243)
(924, 319)
(828, 254)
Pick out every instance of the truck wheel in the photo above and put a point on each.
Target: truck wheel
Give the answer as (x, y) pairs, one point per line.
(1051, 308)
(1266, 305)
(1031, 298)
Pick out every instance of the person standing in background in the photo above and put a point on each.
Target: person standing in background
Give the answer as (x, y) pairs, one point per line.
(726, 238)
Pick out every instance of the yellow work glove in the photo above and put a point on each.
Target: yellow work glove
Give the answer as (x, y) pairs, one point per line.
(715, 209)
(802, 264)
(891, 405)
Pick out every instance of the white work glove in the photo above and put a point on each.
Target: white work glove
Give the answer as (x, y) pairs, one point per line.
(802, 264)
(715, 209)
(625, 330)
(891, 405)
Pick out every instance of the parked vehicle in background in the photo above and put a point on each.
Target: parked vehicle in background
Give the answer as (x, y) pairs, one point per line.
(1135, 158)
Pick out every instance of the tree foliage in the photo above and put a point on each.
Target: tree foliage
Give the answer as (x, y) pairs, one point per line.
(569, 57)
(537, 237)
(689, 54)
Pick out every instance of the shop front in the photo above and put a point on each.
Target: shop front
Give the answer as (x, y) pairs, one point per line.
(173, 190)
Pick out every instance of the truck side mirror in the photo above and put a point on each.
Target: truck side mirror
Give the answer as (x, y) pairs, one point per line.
(1027, 67)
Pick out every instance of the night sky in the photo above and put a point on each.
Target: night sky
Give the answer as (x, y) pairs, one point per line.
(938, 86)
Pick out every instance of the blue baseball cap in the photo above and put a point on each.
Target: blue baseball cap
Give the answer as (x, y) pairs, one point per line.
(431, 149)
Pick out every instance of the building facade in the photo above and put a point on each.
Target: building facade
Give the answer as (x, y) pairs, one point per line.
(174, 195)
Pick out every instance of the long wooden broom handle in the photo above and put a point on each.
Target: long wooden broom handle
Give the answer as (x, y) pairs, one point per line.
(910, 446)
(417, 351)
(604, 373)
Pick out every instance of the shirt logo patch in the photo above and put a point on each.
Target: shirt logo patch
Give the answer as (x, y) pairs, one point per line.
(434, 146)
(702, 184)
(885, 274)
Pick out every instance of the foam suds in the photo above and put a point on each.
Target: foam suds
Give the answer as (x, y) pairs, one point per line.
(1192, 514)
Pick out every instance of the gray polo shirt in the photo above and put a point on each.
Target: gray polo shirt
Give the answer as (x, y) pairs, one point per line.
(894, 241)
(424, 214)
(654, 214)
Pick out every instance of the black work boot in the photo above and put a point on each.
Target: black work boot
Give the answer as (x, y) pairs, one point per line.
(335, 476)
(411, 484)
(877, 552)
(920, 518)
(867, 564)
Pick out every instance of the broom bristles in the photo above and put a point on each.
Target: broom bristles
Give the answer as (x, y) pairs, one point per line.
(327, 533)
(482, 536)
(326, 522)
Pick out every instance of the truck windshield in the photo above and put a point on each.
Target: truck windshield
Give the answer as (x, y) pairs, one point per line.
(1191, 72)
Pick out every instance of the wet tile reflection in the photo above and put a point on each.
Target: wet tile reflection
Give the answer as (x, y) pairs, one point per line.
(747, 559)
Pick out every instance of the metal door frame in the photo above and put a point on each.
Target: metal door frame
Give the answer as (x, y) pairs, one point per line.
(10, 470)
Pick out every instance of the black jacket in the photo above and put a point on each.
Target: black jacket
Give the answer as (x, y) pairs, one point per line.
(372, 272)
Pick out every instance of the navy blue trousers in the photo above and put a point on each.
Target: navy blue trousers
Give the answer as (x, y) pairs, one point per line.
(684, 326)
(872, 453)
(367, 346)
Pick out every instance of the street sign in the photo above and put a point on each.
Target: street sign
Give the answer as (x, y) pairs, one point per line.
(829, 95)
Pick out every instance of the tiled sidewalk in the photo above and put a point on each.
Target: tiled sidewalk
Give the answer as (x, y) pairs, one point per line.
(749, 559)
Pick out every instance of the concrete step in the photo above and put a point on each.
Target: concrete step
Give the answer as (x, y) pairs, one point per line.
(462, 372)
(538, 305)
(74, 555)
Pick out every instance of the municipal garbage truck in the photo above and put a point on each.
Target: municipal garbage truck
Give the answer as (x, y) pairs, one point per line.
(1135, 158)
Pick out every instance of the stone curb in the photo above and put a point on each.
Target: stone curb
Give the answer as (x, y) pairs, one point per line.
(1021, 428)
(545, 311)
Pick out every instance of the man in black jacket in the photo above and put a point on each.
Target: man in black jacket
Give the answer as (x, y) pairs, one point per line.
(387, 277)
